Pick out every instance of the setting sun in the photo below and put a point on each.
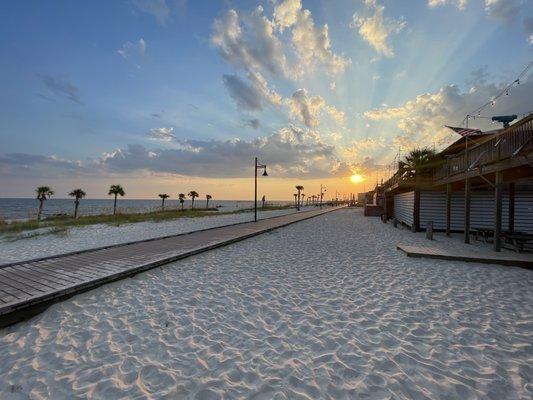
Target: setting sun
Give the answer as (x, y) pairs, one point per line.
(356, 178)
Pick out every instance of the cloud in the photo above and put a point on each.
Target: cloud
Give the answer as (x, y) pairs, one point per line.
(376, 29)
(128, 49)
(31, 165)
(253, 95)
(505, 11)
(253, 123)
(158, 8)
(312, 43)
(460, 4)
(305, 108)
(289, 152)
(61, 86)
(338, 116)
(421, 120)
(249, 42)
(162, 134)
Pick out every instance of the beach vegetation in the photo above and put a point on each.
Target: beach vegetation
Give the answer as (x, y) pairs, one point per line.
(77, 194)
(43, 194)
(207, 198)
(163, 197)
(193, 194)
(181, 197)
(116, 190)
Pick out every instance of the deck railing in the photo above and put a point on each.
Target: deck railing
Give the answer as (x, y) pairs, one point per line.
(501, 147)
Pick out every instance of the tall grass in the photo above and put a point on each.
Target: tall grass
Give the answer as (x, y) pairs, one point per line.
(116, 220)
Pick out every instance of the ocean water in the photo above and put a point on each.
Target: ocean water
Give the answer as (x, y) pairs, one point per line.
(20, 209)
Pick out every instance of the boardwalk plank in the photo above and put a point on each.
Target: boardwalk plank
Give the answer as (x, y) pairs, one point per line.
(35, 282)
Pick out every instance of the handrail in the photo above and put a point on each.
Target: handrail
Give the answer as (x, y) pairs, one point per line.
(498, 148)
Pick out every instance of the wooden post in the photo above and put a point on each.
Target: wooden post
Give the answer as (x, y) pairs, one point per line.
(385, 207)
(429, 230)
(448, 208)
(467, 211)
(416, 212)
(498, 211)
(511, 206)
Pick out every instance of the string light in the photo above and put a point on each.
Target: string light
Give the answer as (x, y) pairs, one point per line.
(505, 91)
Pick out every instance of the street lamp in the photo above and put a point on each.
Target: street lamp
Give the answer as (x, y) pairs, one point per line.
(257, 166)
(322, 190)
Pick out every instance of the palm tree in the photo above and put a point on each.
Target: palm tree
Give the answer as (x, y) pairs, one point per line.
(116, 190)
(43, 193)
(299, 188)
(263, 201)
(303, 196)
(193, 194)
(181, 196)
(163, 196)
(207, 198)
(77, 194)
(419, 162)
(295, 199)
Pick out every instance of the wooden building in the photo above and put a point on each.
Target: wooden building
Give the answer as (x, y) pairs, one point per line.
(483, 183)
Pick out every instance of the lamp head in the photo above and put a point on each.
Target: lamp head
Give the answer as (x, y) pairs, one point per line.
(265, 173)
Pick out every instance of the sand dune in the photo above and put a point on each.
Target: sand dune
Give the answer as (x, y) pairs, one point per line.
(326, 308)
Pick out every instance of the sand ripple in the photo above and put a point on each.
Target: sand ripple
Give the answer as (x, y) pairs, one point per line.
(320, 309)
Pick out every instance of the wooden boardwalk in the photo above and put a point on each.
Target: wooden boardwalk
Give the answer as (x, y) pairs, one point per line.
(37, 283)
(489, 257)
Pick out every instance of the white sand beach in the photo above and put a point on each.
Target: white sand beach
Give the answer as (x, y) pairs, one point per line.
(87, 237)
(323, 309)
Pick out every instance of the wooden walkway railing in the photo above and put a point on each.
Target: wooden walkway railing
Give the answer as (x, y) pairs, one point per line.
(40, 282)
(501, 147)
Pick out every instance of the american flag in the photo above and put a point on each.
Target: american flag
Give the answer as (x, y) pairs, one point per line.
(465, 131)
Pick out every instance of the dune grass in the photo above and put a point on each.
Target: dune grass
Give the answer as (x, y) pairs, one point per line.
(60, 223)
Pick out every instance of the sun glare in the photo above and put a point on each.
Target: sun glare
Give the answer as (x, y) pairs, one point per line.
(356, 178)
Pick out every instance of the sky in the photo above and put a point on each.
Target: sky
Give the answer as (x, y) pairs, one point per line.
(168, 96)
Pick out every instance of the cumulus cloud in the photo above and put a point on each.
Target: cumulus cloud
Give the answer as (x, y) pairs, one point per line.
(248, 42)
(251, 41)
(162, 134)
(306, 108)
(128, 49)
(61, 86)
(505, 11)
(338, 116)
(253, 95)
(312, 43)
(422, 119)
(377, 29)
(460, 4)
(290, 152)
(158, 8)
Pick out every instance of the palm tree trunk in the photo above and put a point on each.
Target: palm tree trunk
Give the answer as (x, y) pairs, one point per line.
(207, 204)
(76, 204)
(192, 203)
(41, 204)
(162, 204)
(182, 205)
(115, 205)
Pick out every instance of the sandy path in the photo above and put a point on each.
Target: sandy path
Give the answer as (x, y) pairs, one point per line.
(87, 237)
(326, 308)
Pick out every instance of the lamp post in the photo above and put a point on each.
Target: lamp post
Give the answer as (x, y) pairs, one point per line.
(257, 166)
(322, 190)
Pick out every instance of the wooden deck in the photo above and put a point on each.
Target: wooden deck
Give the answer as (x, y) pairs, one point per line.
(27, 287)
(517, 260)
